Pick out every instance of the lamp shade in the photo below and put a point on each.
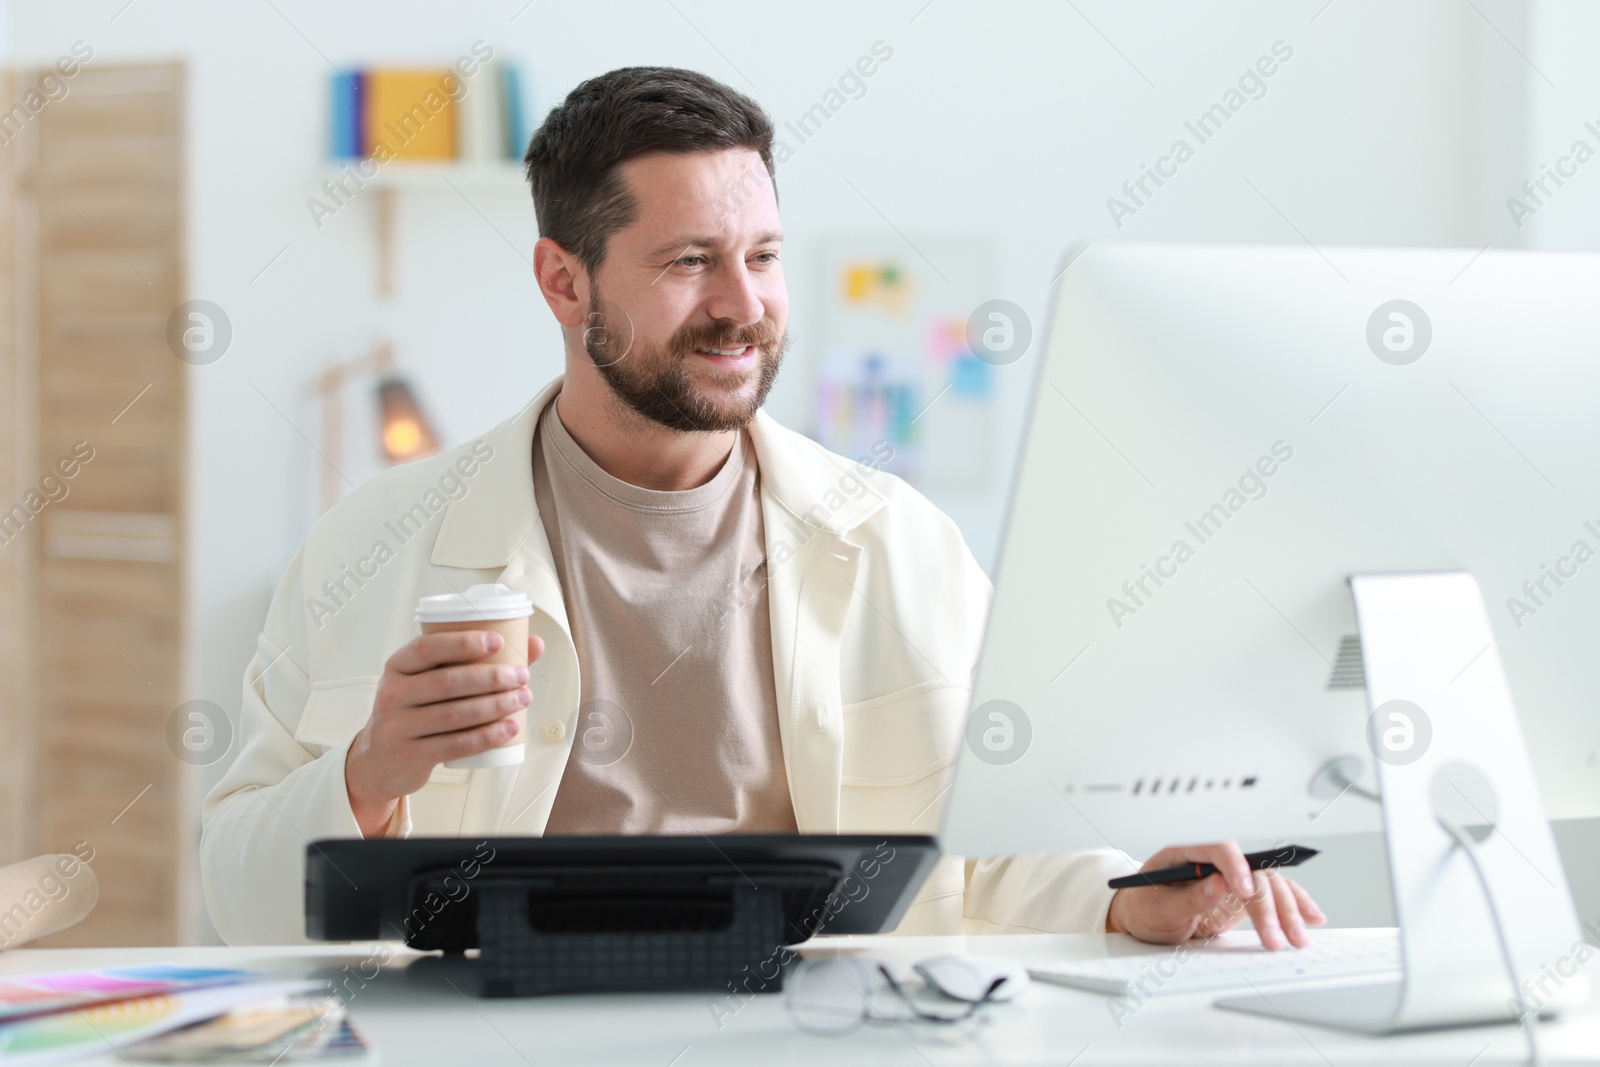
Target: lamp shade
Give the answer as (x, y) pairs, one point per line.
(406, 433)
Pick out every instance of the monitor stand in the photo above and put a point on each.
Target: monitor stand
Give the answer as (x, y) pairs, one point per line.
(1447, 744)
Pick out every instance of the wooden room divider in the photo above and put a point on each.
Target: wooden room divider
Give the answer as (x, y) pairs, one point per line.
(93, 420)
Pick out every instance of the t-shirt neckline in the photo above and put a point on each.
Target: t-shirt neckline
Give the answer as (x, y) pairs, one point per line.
(557, 439)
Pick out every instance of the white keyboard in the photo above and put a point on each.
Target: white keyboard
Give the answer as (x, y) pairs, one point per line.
(1235, 960)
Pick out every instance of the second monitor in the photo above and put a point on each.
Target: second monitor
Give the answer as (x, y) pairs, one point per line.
(1291, 529)
(1220, 437)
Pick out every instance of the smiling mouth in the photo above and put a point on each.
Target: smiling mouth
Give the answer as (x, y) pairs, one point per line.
(741, 358)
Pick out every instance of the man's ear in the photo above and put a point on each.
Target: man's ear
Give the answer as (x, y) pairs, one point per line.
(562, 280)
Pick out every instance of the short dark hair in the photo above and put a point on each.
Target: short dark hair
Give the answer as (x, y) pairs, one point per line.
(579, 197)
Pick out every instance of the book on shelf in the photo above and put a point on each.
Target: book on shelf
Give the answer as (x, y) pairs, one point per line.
(483, 136)
(416, 115)
(407, 115)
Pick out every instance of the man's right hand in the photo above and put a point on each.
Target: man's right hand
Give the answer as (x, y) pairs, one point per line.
(434, 703)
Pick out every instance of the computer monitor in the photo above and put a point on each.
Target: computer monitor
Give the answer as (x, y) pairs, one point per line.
(1220, 437)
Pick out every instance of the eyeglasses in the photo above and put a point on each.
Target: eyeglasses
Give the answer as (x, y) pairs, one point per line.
(834, 996)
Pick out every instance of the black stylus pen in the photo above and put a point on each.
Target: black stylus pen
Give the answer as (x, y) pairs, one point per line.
(1287, 856)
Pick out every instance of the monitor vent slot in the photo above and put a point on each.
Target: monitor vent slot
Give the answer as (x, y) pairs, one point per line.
(1348, 670)
(1166, 785)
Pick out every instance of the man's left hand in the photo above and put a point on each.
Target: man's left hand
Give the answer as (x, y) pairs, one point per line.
(1168, 914)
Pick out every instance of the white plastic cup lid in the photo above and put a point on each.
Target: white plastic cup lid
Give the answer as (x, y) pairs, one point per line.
(479, 603)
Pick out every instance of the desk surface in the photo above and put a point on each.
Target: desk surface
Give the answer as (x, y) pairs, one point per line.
(413, 1015)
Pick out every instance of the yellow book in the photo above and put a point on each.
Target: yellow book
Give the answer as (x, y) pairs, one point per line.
(408, 115)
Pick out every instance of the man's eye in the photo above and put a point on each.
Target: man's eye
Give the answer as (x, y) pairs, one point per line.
(689, 261)
(767, 257)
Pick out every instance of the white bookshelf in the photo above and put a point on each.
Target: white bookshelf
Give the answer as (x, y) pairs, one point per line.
(484, 177)
(408, 176)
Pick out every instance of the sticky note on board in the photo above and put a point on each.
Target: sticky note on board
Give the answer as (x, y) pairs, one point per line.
(880, 284)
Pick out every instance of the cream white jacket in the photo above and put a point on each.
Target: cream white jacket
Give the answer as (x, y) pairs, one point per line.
(877, 610)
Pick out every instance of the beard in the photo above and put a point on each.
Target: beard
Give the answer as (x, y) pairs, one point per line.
(654, 381)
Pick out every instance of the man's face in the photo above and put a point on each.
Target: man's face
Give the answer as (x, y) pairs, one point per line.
(691, 329)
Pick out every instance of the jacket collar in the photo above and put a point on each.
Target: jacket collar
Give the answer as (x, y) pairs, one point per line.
(497, 517)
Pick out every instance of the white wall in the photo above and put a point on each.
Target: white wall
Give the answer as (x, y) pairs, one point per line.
(1564, 95)
(1391, 124)
(1559, 109)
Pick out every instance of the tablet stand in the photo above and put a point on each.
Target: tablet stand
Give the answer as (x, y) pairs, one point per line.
(1448, 746)
(617, 928)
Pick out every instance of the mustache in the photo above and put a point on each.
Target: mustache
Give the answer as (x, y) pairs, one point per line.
(764, 335)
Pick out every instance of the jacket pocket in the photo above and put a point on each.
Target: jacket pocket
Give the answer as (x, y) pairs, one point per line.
(904, 736)
(337, 710)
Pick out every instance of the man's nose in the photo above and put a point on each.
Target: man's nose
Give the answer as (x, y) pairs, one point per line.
(736, 299)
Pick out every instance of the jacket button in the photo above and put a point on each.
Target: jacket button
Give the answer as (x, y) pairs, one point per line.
(553, 730)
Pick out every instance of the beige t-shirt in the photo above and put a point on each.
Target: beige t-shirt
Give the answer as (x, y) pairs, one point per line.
(667, 600)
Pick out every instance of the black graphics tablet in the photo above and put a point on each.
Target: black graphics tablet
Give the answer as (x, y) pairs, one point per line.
(623, 899)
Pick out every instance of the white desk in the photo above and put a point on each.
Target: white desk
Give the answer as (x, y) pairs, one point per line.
(417, 1018)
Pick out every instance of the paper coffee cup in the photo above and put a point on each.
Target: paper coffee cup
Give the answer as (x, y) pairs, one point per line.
(487, 607)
